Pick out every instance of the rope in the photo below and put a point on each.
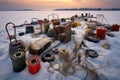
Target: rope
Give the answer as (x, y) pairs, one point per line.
(48, 69)
(70, 67)
(91, 73)
(107, 63)
(105, 78)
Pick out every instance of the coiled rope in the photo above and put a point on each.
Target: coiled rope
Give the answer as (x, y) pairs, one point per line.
(70, 68)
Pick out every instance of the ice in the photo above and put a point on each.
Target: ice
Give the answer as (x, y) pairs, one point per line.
(111, 71)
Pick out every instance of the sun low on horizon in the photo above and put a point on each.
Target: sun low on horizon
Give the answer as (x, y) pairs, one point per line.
(54, 4)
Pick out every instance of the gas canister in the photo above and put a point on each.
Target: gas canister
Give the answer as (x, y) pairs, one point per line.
(14, 45)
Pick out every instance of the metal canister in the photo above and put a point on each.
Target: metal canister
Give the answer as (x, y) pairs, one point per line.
(29, 29)
(18, 59)
(16, 50)
(44, 26)
(33, 64)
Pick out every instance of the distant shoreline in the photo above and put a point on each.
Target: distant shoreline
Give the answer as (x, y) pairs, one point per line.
(88, 9)
(60, 10)
(68, 9)
(17, 10)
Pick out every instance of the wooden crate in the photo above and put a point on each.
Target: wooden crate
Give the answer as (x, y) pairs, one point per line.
(63, 32)
(37, 47)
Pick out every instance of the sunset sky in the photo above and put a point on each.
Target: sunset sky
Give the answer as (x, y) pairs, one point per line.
(53, 4)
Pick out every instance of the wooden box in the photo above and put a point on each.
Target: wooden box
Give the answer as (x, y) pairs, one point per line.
(37, 47)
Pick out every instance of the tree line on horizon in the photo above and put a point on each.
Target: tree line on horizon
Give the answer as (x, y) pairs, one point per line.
(90, 9)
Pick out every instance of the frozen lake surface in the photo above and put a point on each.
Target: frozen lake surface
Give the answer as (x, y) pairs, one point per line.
(112, 70)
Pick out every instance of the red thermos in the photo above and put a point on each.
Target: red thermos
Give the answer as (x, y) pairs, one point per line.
(33, 64)
(101, 32)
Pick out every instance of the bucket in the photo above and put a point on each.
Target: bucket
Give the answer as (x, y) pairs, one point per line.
(63, 20)
(115, 27)
(33, 64)
(34, 21)
(101, 32)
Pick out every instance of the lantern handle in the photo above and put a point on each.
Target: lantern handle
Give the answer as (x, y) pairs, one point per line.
(6, 27)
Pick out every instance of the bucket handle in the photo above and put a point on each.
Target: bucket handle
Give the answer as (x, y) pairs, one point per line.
(53, 16)
(34, 19)
(6, 27)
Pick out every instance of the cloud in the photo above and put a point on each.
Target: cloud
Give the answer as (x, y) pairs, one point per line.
(14, 4)
(98, 3)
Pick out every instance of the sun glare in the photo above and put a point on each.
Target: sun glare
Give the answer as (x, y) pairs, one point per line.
(54, 0)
